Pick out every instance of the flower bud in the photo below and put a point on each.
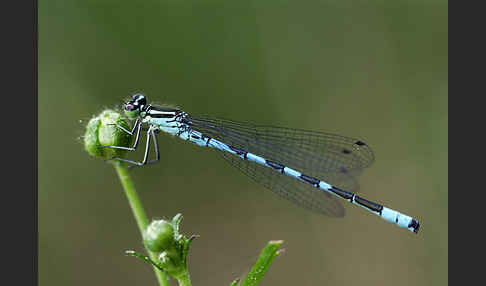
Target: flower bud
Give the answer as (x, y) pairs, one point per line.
(100, 131)
(163, 239)
(159, 236)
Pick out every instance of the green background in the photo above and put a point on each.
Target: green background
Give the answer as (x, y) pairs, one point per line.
(375, 70)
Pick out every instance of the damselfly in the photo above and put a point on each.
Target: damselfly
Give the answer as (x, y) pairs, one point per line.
(310, 169)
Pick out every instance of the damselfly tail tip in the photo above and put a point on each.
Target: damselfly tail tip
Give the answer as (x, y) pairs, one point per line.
(414, 226)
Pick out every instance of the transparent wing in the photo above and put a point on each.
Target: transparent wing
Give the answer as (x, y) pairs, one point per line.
(335, 159)
(288, 188)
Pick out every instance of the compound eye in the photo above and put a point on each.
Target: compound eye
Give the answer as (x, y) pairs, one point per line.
(139, 99)
(142, 101)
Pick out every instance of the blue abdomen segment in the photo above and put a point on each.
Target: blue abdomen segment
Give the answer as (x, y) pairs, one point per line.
(385, 213)
(400, 219)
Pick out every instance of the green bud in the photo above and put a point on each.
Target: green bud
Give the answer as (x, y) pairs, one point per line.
(171, 263)
(99, 132)
(162, 238)
(159, 236)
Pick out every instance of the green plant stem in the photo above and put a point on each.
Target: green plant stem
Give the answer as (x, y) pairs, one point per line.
(184, 279)
(139, 213)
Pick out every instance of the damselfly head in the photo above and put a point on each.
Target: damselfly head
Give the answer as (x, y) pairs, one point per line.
(135, 105)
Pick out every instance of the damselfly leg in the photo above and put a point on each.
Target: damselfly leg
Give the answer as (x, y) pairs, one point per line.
(150, 134)
(137, 126)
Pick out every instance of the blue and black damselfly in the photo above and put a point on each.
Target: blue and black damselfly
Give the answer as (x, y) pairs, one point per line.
(304, 167)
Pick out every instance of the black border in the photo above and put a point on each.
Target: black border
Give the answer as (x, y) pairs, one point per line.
(18, 97)
(466, 64)
(35, 62)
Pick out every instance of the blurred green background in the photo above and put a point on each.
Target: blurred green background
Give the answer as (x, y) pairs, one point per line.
(375, 70)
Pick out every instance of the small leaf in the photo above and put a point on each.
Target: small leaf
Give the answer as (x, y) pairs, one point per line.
(263, 262)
